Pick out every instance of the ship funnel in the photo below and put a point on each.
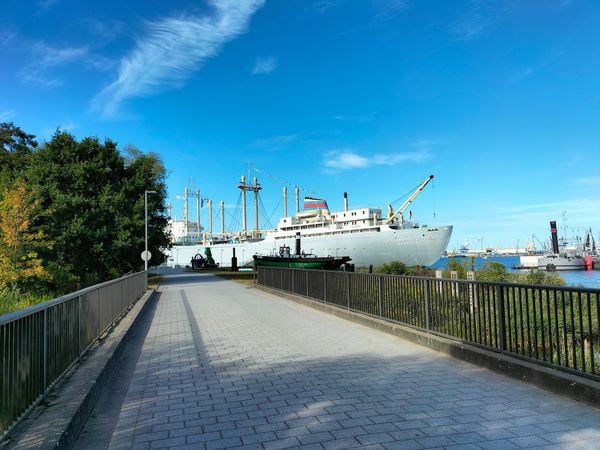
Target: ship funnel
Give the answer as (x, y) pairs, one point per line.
(345, 201)
(297, 243)
(554, 237)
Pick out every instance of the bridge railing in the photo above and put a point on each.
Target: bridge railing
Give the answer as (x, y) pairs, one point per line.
(554, 326)
(39, 344)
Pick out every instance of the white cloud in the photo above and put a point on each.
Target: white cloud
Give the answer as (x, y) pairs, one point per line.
(6, 37)
(46, 4)
(279, 140)
(5, 116)
(172, 49)
(589, 181)
(264, 65)
(348, 159)
(481, 15)
(47, 58)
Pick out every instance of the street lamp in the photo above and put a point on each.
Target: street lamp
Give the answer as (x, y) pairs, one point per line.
(146, 227)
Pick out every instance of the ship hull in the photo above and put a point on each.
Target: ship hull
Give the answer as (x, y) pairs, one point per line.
(561, 263)
(412, 246)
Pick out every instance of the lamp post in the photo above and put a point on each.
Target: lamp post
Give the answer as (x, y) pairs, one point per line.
(146, 227)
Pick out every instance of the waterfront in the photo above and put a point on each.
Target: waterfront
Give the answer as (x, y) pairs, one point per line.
(590, 279)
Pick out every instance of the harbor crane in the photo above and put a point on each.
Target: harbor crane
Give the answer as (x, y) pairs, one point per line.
(399, 212)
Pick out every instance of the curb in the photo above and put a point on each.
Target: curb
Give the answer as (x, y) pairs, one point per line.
(557, 381)
(59, 423)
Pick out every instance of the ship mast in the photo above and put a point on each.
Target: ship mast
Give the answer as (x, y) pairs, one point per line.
(222, 218)
(407, 203)
(253, 188)
(185, 211)
(243, 187)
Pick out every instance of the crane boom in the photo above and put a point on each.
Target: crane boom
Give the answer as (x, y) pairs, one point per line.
(408, 201)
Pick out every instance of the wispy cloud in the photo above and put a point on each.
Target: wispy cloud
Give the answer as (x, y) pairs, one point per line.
(47, 58)
(5, 116)
(348, 159)
(323, 6)
(481, 15)
(264, 65)
(354, 119)
(588, 181)
(6, 37)
(279, 140)
(171, 50)
(46, 4)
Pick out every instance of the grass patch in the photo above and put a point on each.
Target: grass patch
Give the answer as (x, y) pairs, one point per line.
(245, 278)
(154, 281)
(14, 300)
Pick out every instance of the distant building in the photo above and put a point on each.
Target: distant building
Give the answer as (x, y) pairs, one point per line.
(180, 236)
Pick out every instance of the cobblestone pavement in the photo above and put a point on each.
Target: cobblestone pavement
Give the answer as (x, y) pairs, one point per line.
(226, 366)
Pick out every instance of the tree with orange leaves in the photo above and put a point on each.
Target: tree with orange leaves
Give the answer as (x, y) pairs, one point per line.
(19, 241)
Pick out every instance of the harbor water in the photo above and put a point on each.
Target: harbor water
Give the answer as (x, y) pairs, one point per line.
(583, 278)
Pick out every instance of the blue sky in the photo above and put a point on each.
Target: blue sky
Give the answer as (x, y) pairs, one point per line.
(500, 100)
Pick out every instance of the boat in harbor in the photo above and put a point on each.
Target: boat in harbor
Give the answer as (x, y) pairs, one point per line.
(365, 235)
(301, 260)
(557, 260)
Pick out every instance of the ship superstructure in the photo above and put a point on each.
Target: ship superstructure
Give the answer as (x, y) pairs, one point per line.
(363, 234)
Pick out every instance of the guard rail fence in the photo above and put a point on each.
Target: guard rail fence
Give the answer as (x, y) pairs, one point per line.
(38, 345)
(553, 326)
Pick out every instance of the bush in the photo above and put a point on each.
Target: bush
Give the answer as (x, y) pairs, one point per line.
(421, 271)
(494, 272)
(542, 278)
(454, 266)
(393, 268)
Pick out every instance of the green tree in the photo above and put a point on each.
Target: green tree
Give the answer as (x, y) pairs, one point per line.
(97, 200)
(454, 265)
(143, 172)
(493, 271)
(16, 147)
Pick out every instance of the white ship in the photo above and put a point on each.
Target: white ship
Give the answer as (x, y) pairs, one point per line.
(362, 234)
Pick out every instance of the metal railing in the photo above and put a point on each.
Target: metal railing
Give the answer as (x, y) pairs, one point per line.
(39, 344)
(554, 326)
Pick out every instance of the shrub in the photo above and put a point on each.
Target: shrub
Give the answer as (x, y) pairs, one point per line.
(393, 268)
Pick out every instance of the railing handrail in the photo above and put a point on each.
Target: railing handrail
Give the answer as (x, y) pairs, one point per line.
(45, 341)
(6, 318)
(462, 281)
(556, 326)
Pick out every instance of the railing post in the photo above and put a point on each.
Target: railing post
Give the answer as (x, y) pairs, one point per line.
(325, 286)
(307, 294)
(500, 313)
(349, 293)
(427, 305)
(380, 294)
(292, 275)
(78, 327)
(45, 352)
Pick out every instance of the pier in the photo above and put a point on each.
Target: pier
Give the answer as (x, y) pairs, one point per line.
(215, 364)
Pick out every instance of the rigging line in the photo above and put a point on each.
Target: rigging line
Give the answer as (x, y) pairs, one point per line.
(235, 222)
(267, 220)
(407, 194)
(274, 211)
(433, 188)
(287, 183)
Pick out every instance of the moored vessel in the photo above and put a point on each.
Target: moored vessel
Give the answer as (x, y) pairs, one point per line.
(300, 260)
(364, 234)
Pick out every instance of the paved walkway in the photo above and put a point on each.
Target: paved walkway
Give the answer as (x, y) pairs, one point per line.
(224, 366)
